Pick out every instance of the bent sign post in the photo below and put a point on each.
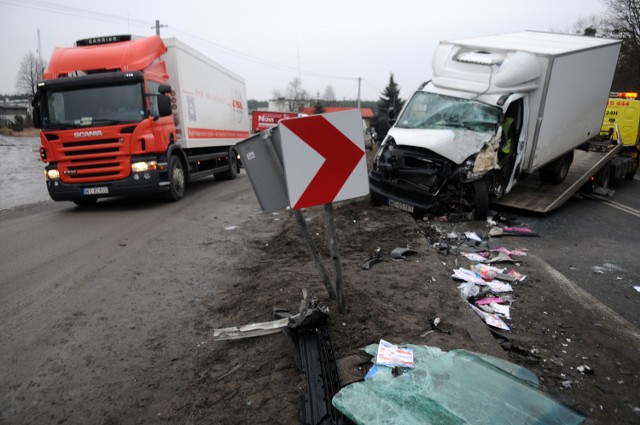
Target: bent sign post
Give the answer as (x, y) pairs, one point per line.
(324, 162)
(305, 162)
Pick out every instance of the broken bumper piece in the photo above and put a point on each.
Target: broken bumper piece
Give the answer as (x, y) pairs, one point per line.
(314, 356)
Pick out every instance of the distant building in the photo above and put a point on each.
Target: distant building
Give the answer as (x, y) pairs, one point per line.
(9, 110)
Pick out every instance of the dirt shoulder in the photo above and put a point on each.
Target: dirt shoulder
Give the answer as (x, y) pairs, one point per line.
(554, 328)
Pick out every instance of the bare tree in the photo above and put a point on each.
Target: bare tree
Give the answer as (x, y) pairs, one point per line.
(30, 72)
(592, 26)
(296, 95)
(623, 20)
(329, 94)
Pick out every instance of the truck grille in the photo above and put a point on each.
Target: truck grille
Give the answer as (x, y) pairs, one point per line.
(89, 161)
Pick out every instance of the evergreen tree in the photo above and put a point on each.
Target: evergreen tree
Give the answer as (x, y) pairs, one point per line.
(390, 98)
(317, 107)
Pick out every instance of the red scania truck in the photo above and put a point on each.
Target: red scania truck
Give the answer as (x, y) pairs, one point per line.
(126, 116)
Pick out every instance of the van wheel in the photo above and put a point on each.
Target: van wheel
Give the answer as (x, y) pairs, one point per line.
(556, 171)
(177, 179)
(232, 171)
(480, 199)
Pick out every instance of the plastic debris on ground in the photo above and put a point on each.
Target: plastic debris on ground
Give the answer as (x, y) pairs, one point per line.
(376, 257)
(454, 387)
(402, 253)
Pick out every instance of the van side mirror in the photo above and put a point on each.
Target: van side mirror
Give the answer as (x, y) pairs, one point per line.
(164, 89)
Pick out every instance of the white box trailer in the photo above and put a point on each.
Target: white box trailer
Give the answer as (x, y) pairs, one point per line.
(567, 107)
(497, 109)
(211, 100)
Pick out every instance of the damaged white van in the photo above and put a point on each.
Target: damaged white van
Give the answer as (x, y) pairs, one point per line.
(496, 108)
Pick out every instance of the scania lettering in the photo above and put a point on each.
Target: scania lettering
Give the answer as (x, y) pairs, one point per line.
(125, 116)
(87, 134)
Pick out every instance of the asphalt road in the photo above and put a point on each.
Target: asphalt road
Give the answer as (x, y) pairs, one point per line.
(596, 244)
(89, 293)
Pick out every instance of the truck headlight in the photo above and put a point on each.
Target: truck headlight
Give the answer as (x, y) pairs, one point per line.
(52, 174)
(142, 166)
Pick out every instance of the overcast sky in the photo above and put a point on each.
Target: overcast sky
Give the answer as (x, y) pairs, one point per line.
(270, 42)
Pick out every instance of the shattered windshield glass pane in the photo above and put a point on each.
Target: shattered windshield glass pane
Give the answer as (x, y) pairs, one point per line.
(86, 106)
(435, 111)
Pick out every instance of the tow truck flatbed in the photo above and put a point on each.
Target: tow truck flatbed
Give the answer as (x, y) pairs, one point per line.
(533, 195)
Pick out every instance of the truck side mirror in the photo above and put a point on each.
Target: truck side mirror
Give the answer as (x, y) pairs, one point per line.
(37, 118)
(164, 89)
(164, 105)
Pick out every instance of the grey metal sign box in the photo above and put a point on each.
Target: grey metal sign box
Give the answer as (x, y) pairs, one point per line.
(261, 155)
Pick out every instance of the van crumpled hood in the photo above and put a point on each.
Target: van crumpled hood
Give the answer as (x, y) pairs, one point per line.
(455, 145)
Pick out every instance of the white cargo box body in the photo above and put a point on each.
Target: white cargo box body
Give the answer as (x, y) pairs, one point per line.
(567, 107)
(211, 100)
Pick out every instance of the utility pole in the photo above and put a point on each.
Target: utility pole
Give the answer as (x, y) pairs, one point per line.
(359, 82)
(158, 26)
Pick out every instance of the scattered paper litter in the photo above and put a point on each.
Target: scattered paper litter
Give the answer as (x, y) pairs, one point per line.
(468, 289)
(489, 300)
(472, 256)
(501, 257)
(486, 272)
(230, 227)
(497, 286)
(467, 275)
(518, 252)
(637, 288)
(391, 355)
(473, 236)
(491, 319)
(501, 309)
(516, 275)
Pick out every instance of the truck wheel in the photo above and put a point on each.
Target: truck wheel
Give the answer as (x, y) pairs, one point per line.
(480, 199)
(603, 177)
(556, 171)
(176, 179)
(631, 174)
(232, 171)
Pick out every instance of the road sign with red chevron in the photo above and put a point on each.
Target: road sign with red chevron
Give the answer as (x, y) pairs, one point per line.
(324, 158)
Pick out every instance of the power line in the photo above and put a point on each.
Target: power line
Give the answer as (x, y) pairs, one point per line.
(73, 11)
(107, 17)
(262, 61)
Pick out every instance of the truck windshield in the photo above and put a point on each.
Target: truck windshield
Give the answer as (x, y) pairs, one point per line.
(93, 106)
(435, 111)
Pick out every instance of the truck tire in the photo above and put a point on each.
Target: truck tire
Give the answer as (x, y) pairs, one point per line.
(631, 174)
(480, 199)
(603, 178)
(556, 171)
(177, 179)
(232, 171)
